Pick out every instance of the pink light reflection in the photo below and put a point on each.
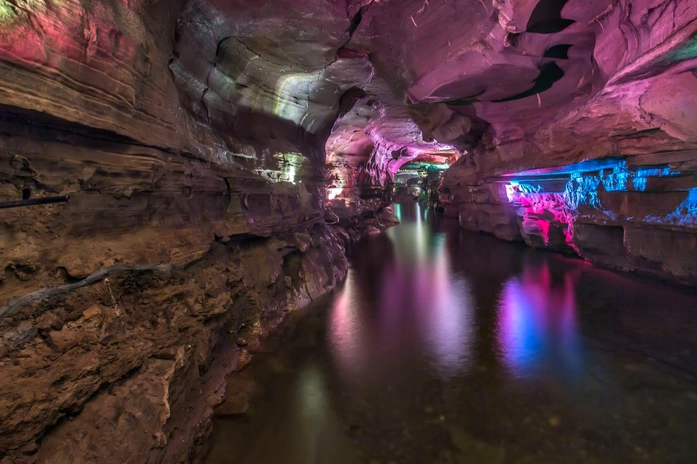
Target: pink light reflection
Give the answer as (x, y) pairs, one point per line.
(346, 330)
(413, 306)
(449, 319)
(537, 323)
(439, 302)
(420, 286)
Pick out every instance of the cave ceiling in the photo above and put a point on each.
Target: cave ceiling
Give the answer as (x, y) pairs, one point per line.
(363, 86)
(386, 81)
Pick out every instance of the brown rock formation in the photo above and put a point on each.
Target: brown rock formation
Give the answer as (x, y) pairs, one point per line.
(214, 151)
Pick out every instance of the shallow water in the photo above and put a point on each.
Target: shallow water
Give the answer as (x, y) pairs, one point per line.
(445, 346)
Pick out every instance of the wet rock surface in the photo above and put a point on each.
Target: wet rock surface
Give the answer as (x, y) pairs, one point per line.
(616, 214)
(144, 354)
(184, 243)
(339, 95)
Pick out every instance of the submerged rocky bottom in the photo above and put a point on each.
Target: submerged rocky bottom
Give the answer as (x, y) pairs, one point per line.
(446, 346)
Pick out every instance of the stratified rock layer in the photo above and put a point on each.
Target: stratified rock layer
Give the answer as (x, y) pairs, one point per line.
(220, 155)
(123, 310)
(603, 169)
(143, 352)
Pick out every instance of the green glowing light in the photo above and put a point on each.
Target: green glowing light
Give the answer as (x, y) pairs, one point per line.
(10, 13)
(417, 166)
(288, 167)
(7, 13)
(687, 51)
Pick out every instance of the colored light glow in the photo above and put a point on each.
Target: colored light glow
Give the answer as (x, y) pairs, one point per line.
(79, 41)
(420, 245)
(9, 12)
(290, 96)
(418, 306)
(421, 279)
(537, 324)
(287, 170)
(415, 166)
(511, 192)
(333, 192)
(517, 190)
(346, 330)
(639, 183)
(687, 51)
(585, 166)
(684, 215)
(404, 177)
(450, 319)
(582, 189)
(6, 12)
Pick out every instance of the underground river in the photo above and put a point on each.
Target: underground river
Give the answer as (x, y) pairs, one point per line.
(445, 346)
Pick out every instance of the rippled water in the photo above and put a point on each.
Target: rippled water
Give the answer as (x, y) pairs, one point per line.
(450, 347)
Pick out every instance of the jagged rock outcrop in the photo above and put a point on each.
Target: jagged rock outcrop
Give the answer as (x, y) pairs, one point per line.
(143, 351)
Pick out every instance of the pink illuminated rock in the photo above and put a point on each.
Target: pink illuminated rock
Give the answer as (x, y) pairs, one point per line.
(215, 137)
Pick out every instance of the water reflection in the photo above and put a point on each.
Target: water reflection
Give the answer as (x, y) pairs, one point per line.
(537, 322)
(450, 319)
(445, 346)
(345, 331)
(420, 307)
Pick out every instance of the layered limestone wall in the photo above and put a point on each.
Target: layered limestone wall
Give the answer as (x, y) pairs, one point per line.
(185, 240)
(127, 364)
(209, 147)
(634, 213)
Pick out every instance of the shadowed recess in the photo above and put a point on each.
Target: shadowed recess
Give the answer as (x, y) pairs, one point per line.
(549, 74)
(560, 51)
(546, 17)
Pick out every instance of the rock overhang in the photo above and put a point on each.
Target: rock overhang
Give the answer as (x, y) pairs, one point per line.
(467, 74)
(361, 87)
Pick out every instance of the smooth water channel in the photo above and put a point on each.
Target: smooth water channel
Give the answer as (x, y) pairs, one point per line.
(445, 346)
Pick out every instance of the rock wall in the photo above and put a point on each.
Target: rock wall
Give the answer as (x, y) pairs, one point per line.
(127, 364)
(194, 225)
(209, 146)
(632, 213)
(609, 175)
(98, 64)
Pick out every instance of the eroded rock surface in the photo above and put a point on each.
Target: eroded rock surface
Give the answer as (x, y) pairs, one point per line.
(174, 254)
(219, 156)
(144, 353)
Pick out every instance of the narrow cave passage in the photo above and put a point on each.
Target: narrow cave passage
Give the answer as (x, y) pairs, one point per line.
(323, 231)
(447, 346)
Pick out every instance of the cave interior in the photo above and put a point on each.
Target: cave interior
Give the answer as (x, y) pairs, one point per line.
(176, 176)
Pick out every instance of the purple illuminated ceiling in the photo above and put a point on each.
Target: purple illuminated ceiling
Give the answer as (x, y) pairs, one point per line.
(366, 86)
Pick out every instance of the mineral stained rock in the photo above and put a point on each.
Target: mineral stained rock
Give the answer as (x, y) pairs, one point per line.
(220, 155)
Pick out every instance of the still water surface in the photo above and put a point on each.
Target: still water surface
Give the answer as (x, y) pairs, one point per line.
(445, 346)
